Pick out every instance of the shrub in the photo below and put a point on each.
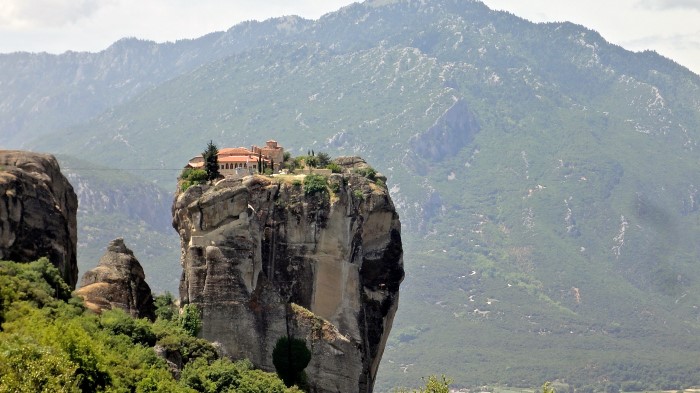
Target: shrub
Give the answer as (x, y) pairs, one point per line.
(191, 319)
(367, 172)
(358, 194)
(311, 162)
(315, 184)
(335, 187)
(296, 183)
(290, 357)
(116, 321)
(165, 307)
(335, 168)
(323, 159)
(194, 175)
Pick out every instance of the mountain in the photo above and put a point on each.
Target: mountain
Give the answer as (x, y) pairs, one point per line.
(546, 179)
(114, 203)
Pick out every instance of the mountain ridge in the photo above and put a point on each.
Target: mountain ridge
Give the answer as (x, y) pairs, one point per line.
(568, 220)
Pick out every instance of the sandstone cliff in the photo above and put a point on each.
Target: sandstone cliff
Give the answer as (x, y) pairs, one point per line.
(261, 259)
(118, 281)
(37, 212)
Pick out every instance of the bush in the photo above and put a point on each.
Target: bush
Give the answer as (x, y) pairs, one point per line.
(359, 195)
(290, 357)
(165, 307)
(139, 331)
(191, 320)
(323, 159)
(367, 172)
(311, 162)
(315, 184)
(335, 187)
(194, 175)
(335, 168)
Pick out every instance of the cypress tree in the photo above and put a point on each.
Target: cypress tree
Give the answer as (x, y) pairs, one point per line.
(211, 161)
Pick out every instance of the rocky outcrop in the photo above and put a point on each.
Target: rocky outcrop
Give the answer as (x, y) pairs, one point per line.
(118, 281)
(263, 259)
(452, 131)
(37, 212)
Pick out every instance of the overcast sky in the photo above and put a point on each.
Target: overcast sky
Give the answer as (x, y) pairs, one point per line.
(671, 27)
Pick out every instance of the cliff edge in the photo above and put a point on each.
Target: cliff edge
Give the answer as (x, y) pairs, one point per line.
(266, 257)
(37, 212)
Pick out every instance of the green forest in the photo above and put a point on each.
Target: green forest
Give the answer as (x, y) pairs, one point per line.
(49, 342)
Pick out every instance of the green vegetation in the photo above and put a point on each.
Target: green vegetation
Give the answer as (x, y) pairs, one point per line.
(211, 161)
(290, 357)
(50, 343)
(323, 159)
(315, 184)
(433, 385)
(192, 176)
(191, 319)
(513, 156)
(368, 172)
(335, 168)
(358, 195)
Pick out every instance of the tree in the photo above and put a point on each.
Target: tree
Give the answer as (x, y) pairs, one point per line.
(191, 319)
(432, 385)
(290, 357)
(211, 161)
(323, 159)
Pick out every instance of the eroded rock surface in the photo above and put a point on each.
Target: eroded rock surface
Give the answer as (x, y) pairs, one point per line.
(261, 259)
(118, 281)
(37, 212)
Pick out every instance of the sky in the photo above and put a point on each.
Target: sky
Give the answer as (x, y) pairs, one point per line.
(670, 27)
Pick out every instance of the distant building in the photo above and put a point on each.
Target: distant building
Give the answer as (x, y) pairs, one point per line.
(239, 161)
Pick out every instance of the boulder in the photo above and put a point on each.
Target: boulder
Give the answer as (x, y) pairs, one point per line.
(262, 260)
(37, 212)
(118, 281)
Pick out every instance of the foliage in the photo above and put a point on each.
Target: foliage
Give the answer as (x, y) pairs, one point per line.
(323, 159)
(367, 172)
(165, 306)
(432, 385)
(551, 105)
(314, 184)
(335, 187)
(335, 168)
(290, 357)
(311, 161)
(139, 331)
(548, 388)
(211, 161)
(191, 319)
(358, 195)
(52, 345)
(223, 375)
(192, 176)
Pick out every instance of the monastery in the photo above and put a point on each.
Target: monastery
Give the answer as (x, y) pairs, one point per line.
(239, 161)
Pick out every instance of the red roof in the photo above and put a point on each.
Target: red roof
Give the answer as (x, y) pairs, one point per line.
(235, 151)
(250, 159)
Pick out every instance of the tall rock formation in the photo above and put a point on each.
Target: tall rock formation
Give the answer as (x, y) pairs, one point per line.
(118, 281)
(37, 212)
(262, 258)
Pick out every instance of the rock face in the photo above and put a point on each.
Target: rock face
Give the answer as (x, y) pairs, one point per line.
(118, 281)
(263, 259)
(37, 212)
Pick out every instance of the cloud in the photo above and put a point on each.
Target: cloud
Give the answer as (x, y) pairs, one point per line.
(663, 5)
(28, 14)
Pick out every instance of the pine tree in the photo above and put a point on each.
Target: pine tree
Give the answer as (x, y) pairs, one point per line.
(211, 161)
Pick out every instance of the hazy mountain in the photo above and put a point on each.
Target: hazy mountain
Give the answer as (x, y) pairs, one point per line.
(546, 179)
